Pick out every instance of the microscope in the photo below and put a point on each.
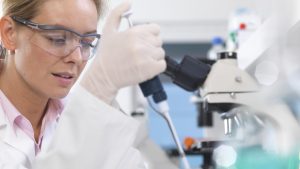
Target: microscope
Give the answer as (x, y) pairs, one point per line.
(250, 116)
(225, 89)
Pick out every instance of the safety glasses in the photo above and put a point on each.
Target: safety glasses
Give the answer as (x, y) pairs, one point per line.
(60, 41)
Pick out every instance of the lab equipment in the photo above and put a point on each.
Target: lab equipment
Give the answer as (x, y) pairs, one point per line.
(88, 42)
(189, 74)
(153, 87)
(217, 46)
(242, 23)
(244, 108)
(237, 99)
(108, 72)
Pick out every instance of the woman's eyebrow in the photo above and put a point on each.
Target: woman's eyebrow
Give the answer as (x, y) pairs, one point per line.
(62, 26)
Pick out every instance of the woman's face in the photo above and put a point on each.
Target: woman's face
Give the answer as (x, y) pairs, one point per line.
(46, 74)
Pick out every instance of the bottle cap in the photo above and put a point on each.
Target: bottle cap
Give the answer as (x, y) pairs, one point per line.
(243, 26)
(217, 41)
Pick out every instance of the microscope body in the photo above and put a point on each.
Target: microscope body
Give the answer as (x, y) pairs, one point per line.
(236, 97)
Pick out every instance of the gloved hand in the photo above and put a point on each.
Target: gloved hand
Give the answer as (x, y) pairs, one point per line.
(124, 57)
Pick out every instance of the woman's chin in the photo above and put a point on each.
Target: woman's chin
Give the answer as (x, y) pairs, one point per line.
(60, 95)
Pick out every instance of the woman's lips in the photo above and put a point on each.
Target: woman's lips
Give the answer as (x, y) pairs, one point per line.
(64, 79)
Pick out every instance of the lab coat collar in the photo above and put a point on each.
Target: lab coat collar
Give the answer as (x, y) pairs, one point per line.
(17, 140)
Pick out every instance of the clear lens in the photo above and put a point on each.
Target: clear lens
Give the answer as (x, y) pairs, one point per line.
(88, 46)
(62, 42)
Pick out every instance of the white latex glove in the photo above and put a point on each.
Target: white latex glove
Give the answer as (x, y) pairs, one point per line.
(124, 58)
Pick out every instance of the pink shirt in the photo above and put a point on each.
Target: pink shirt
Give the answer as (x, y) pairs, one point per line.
(18, 121)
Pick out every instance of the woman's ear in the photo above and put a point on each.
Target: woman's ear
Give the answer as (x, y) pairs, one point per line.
(8, 33)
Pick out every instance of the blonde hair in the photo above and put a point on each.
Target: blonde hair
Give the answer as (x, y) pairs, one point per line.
(28, 9)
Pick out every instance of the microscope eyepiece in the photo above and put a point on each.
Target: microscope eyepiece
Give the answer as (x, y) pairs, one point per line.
(189, 74)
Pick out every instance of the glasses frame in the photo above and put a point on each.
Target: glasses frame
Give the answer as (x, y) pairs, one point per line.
(37, 26)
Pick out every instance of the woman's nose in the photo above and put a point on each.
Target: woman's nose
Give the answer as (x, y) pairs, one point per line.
(75, 56)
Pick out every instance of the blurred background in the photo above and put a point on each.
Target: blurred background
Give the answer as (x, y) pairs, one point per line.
(241, 60)
(245, 112)
(258, 126)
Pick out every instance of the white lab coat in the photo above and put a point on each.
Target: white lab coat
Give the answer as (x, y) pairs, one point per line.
(90, 134)
(14, 152)
(17, 149)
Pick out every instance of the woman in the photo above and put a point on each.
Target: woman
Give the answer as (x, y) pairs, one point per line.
(47, 44)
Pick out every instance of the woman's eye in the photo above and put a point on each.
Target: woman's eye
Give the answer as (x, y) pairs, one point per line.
(86, 44)
(57, 40)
